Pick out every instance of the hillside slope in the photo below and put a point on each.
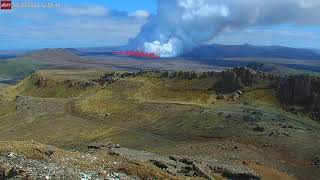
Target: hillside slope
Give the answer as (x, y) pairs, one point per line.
(185, 113)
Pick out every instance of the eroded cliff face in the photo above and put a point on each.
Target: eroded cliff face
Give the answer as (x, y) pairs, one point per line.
(248, 76)
(302, 90)
(239, 78)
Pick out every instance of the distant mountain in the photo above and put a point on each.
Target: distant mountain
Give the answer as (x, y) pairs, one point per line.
(96, 51)
(7, 54)
(53, 55)
(229, 51)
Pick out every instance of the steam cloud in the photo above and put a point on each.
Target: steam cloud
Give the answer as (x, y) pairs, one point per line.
(180, 25)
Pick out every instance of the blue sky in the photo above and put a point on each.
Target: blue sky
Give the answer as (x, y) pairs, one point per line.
(78, 23)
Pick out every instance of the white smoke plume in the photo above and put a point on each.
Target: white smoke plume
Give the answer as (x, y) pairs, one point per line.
(180, 25)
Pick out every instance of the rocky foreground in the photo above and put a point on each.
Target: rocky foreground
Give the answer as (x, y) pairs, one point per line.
(110, 161)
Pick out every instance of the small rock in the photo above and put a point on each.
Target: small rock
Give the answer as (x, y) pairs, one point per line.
(220, 97)
(239, 92)
(258, 113)
(220, 113)
(187, 170)
(112, 152)
(235, 96)
(235, 148)
(248, 118)
(186, 160)
(258, 129)
(14, 172)
(117, 146)
(246, 103)
(2, 173)
(99, 145)
(316, 161)
(174, 157)
(245, 162)
(95, 146)
(159, 164)
(291, 127)
(198, 168)
(49, 151)
(190, 173)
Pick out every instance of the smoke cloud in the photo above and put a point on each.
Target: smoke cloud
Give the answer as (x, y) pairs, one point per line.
(181, 25)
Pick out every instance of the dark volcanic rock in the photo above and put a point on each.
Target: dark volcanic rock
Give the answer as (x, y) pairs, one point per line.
(95, 146)
(258, 129)
(316, 161)
(186, 160)
(2, 175)
(248, 76)
(302, 90)
(159, 164)
(238, 78)
(99, 145)
(230, 81)
(294, 89)
(315, 106)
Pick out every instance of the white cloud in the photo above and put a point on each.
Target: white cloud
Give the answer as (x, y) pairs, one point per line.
(194, 22)
(140, 14)
(86, 11)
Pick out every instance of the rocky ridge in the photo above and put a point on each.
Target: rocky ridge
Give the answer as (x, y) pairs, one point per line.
(179, 165)
(291, 90)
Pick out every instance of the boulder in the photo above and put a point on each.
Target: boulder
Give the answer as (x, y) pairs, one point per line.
(258, 129)
(49, 150)
(235, 96)
(220, 97)
(159, 164)
(186, 160)
(99, 145)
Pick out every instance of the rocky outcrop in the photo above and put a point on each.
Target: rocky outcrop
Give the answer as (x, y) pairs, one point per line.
(315, 106)
(299, 90)
(238, 78)
(230, 81)
(294, 89)
(248, 77)
(39, 80)
(176, 165)
(39, 105)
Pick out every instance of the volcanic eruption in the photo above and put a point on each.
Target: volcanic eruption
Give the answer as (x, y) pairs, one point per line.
(138, 54)
(180, 25)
